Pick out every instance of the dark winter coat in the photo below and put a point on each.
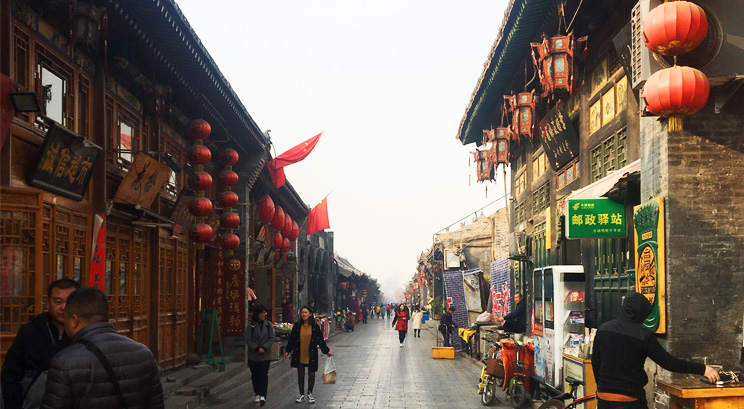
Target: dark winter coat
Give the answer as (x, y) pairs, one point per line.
(621, 347)
(259, 335)
(400, 322)
(316, 340)
(78, 380)
(29, 355)
(516, 321)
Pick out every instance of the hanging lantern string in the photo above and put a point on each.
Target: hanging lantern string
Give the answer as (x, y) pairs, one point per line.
(568, 28)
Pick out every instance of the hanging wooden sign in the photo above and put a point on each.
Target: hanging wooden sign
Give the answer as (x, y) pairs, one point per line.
(143, 181)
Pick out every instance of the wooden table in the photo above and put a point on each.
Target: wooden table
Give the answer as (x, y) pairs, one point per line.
(693, 393)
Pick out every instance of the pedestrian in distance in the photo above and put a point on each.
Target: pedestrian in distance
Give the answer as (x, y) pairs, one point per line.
(447, 325)
(400, 323)
(377, 310)
(24, 371)
(364, 313)
(349, 324)
(101, 369)
(388, 310)
(304, 341)
(259, 337)
(620, 349)
(418, 315)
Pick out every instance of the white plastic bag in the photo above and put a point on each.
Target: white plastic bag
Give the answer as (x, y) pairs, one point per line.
(329, 373)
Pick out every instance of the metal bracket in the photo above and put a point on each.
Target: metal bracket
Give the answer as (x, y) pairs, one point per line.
(726, 91)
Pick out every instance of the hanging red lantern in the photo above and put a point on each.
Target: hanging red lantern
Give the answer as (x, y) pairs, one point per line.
(227, 199)
(229, 220)
(204, 183)
(228, 178)
(198, 129)
(229, 241)
(285, 245)
(278, 240)
(287, 227)
(295, 231)
(200, 232)
(278, 221)
(199, 155)
(675, 27)
(553, 59)
(266, 209)
(200, 206)
(228, 157)
(676, 92)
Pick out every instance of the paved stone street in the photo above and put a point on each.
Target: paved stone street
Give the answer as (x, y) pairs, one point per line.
(373, 372)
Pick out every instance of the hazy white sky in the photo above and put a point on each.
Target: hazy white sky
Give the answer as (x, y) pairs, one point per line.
(388, 82)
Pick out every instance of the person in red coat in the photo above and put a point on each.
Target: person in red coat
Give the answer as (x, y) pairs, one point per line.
(400, 322)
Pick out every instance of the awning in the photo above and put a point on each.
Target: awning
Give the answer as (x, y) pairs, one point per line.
(604, 185)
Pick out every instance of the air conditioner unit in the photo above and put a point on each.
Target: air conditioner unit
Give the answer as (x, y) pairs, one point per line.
(518, 244)
(719, 57)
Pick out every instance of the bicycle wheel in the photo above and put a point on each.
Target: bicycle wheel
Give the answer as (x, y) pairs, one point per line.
(518, 395)
(552, 404)
(489, 393)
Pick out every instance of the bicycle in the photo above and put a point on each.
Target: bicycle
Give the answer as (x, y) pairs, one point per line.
(489, 381)
(516, 391)
(558, 402)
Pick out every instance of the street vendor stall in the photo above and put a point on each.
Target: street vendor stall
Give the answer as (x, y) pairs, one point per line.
(691, 392)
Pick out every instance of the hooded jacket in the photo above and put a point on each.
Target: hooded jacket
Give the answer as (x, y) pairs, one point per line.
(29, 355)
(621, 347)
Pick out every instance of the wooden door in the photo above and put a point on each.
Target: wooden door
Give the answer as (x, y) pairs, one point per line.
(172, 338)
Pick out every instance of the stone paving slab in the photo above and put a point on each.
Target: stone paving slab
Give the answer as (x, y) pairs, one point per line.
(373, 372)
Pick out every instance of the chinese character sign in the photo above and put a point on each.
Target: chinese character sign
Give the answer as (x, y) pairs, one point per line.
(66, 164)
(650, 279)
(595, 218)
(231, 286)
(143, 181)
(558, 137)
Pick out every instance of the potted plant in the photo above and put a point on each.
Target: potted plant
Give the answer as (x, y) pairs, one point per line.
(436, 307)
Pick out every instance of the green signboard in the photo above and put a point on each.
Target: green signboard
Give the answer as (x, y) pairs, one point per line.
(595, 218)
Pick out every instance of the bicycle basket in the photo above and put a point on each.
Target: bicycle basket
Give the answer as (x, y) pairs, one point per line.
(495, 367)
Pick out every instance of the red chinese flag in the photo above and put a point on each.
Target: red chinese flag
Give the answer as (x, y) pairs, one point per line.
(289, 157)
(317, 219)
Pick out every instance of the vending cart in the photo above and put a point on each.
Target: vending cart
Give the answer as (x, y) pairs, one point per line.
(557, 319)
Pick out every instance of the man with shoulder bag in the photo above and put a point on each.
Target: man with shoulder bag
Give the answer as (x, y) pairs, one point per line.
(101, 369)
(24, 371)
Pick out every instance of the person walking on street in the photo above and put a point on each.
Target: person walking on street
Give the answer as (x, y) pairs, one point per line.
(259, 336)
(418, 315)
(387, 311)
(447, 325)
(400, 323)
(24, 370)
(621, 347)
(101, 369)
(303, 344)
(364, 313)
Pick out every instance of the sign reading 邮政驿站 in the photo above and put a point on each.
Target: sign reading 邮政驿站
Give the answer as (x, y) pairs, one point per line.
(595, 218)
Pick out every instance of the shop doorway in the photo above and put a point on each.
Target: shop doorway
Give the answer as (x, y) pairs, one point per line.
(173, 272)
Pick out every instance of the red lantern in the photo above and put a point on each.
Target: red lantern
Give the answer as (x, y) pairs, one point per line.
(278, 240)
(230, 220)
(229, 241)
(675, 27)
(200, 232)
(266, 209)
(198, 129)
(295, 231)
(285, 245)
(228, 178)
(278, 220)
(227, 199)
(199, 155)
(200, 206)
(205, 181)
(676, 91)
(228, 157)
(553, 59)
(287, 228)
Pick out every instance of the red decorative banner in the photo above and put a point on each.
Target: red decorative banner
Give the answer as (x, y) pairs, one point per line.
(97, 278)
(232, 311)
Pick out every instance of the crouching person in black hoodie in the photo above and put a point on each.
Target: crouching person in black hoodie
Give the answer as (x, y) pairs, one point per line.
(621, 347)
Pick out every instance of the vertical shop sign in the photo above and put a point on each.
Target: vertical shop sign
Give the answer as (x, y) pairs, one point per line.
(650, 280)
(232, 315)
(97, 278)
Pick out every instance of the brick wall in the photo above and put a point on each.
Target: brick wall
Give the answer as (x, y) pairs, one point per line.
(700, 172)
(500, 287)
(454, 289)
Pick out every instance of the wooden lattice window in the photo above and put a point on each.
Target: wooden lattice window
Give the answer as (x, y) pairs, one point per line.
(609, 155)
(54, 80)
(541, 198)
(21, 63)
(519, 213)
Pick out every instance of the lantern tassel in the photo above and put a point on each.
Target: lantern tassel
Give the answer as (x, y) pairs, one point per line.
(675, 124)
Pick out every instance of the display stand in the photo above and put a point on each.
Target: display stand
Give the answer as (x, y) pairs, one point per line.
(210, 319)
(582, 370)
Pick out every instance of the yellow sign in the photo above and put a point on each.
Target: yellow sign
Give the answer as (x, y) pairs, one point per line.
(650, 279)
(548, 228)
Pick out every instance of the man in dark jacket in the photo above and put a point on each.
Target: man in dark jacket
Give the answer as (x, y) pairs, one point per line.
(78, 377)
(23, 374)
(620, 350)
(447, 325)
(516, 321)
